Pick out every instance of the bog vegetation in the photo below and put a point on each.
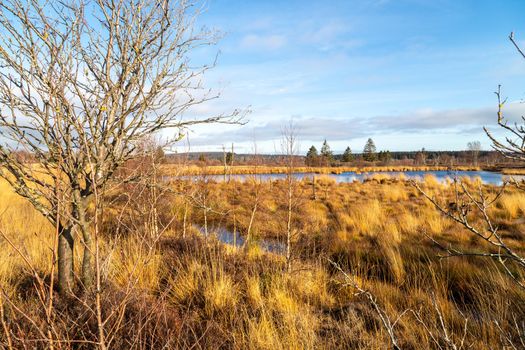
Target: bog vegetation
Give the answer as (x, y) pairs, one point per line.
(166, 284)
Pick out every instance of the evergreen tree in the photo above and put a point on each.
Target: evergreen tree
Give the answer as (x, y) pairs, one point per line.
(312, 156)
(369, 152)
(384, 156)
(347, 155)
(326, 153)
(229, 158)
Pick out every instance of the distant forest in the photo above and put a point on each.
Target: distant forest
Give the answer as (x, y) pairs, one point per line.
(483, 159)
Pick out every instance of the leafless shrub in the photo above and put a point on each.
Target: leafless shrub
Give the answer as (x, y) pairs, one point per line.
(81, 85)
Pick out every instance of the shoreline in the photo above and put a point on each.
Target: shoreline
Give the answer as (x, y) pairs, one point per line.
(169, 169)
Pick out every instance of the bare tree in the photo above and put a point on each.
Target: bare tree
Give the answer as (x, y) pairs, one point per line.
(80, 85)
(470, 204)
(256, 180)
(231, 163)
(472, 209)
(289, 148)
(224, 163)
(387, 323)
(474, 147)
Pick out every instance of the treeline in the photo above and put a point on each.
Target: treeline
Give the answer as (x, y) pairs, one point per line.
(383, 157)
(326, 157)
(473, 156)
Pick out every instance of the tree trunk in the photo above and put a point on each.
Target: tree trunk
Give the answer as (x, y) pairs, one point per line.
(247, 242)
(65, 259)
(80, 210)
(289, 225)
(88, 274)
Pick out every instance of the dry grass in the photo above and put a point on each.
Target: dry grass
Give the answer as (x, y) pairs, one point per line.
(367, 219)
(248, 169)
(513, 171)
(135, 264)
(512, 204)
(28, 231)
(222, 297)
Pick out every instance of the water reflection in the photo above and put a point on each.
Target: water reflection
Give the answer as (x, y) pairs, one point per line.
(226, 236)
(487, 177)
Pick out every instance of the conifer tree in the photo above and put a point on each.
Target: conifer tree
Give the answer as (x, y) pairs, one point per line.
(347, 155)
(326, 153)
(369, 152)
(312, 156)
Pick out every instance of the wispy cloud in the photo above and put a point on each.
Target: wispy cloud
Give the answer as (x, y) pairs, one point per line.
(407, 71)
(453, 119)
(260, 42)
(311, 129)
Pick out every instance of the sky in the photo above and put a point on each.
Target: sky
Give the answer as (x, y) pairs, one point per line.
(407, 73)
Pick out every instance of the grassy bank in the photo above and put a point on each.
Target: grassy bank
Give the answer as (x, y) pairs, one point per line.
(513, 171)
(262, 169)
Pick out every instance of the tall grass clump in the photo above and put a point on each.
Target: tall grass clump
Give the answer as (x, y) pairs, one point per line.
(512, 204)
(367, 219)
(184, 290)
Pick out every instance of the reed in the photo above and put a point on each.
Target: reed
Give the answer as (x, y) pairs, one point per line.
(218, 296)
(513, 171)
(172, 169)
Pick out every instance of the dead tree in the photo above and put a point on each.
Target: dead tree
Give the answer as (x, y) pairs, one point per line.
(474, 147)
(513, 147)
(470, 204)
(81, 83)
(388, 324)
(289, 148)
(471, 208)
(256, 180)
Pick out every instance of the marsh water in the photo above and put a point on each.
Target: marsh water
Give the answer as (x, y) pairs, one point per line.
(487, 177)
(226, 236)
(275, 246)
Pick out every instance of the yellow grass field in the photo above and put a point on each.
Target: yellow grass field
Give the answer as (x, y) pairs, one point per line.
(513, 171)
(169, 169)
(216, 295)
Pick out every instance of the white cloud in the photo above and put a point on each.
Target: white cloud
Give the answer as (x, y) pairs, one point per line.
(263, 42)
(327, 32)
(459, 119)
(403, 131)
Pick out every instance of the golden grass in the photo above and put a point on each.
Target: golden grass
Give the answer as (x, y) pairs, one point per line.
(513, 171)
(220, 292)
(324, 180)
(513, 204)
(173, 169)
(243, 298)
(186, 283)
(394, 193)
(31, 233)
(253, 292)
(408, 222)
(367, 219)
(135, 264)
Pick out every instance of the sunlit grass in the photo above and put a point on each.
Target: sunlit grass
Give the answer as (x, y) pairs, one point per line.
(513, 204)
(250, 169)
(375, 230)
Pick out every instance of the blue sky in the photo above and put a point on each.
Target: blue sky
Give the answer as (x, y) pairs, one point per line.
(408, 73)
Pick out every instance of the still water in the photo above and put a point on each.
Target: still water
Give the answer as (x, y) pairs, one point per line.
(487, 177)
(275, 246)
(226, 236)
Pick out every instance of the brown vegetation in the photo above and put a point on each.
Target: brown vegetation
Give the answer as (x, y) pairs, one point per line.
(171, 169)
(197, 292)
